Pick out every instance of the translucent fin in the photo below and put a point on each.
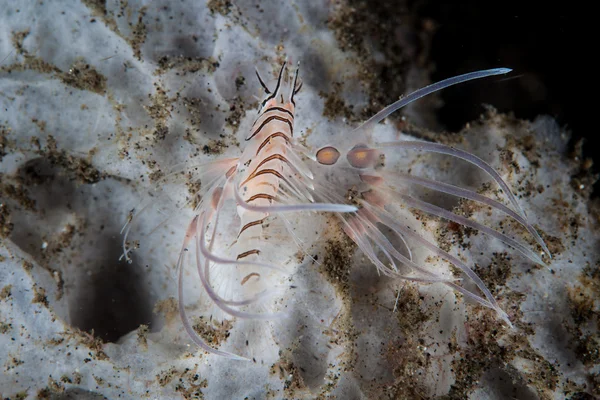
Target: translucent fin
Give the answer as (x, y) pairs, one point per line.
(416, 95)
(389, 220)
(297, 240)
(223, 304)
(469, 195)
(323, 207)
(430, 276)
(213, 171)
(440, 212)
(191, 232)
(466, 156)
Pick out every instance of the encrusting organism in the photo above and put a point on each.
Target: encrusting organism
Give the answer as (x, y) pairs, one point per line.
(248, 203)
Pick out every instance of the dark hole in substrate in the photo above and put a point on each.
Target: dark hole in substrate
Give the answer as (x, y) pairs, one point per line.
(111, 300)
(507, 385)
(73, 234)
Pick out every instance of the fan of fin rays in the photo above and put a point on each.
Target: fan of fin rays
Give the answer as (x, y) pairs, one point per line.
(368, 218)
(380, 192)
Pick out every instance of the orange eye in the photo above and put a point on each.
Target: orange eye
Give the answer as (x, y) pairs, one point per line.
(361, 156)
(328, 155)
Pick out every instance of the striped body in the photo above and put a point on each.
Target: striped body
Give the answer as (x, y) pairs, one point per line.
(241, 259)
(261, 170)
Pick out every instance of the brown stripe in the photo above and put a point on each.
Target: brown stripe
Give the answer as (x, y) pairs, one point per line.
(262, 83)
(268, 139)
(251, 224)
(261, 196)
(295, 89)
(298, 89)
(248, 253)
(271, 109)
(272, 96)
(281, 109)
(272, 157)
(268, 120)
(262, 172)
(247, 277)
(267, 184)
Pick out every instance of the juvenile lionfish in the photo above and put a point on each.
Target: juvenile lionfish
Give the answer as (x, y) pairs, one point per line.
(248, 203)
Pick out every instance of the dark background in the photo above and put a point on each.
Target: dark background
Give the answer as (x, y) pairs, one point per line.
(549, 47)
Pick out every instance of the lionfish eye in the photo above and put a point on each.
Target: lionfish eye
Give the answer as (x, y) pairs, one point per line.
(361, 156)
(273, 180)
(328, 155)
